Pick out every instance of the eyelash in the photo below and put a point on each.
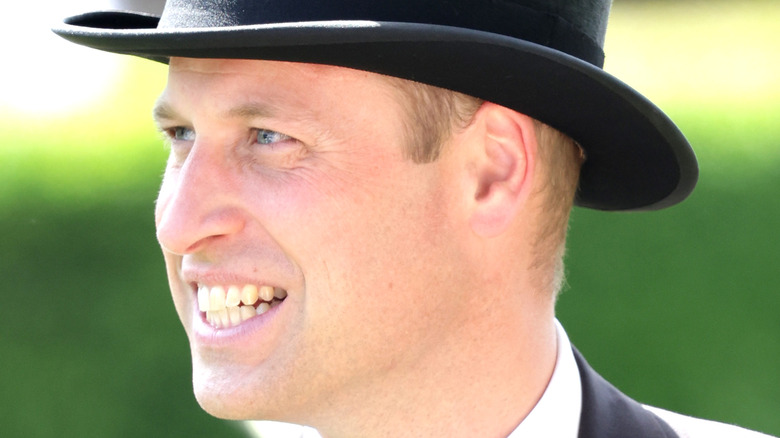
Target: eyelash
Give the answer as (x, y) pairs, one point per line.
(177, 131)
(262, 137)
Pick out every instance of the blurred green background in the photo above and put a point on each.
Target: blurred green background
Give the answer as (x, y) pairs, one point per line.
(678, 308)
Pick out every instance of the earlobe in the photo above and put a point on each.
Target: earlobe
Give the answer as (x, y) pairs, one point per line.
(505, 162)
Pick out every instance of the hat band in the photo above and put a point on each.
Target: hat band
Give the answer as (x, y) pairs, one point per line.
(500, 17)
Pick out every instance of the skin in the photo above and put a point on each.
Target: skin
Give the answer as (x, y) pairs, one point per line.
(411, 294)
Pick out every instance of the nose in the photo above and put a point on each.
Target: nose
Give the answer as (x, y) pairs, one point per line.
(196, 206)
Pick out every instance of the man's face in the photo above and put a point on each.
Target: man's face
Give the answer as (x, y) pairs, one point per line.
(293, 176)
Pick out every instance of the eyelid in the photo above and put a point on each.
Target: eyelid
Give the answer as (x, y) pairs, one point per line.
(172, 133)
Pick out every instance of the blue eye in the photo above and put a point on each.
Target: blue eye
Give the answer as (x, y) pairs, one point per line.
(181, 133)
(265, 136)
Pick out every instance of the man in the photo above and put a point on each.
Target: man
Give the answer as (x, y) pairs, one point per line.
(351, 249)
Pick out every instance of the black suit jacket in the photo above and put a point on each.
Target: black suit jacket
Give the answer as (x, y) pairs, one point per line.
(608, 413)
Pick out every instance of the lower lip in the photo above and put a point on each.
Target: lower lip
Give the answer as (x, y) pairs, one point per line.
(206, 334)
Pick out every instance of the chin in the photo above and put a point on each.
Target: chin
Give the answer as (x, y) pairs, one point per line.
(233, 393)
(224, 400)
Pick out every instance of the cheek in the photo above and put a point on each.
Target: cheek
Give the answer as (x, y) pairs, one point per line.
(371, 253)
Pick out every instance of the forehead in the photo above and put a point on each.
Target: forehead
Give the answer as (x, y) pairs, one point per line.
(273, 78)
(251, 67)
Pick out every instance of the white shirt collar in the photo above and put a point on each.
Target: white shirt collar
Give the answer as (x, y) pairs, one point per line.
(557, 414)
(558, 411)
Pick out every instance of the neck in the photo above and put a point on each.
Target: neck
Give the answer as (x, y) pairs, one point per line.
(483, 382)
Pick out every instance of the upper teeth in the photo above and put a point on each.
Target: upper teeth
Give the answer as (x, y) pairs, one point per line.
(231, 305)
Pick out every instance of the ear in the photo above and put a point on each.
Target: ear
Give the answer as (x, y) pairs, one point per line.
(503, 168)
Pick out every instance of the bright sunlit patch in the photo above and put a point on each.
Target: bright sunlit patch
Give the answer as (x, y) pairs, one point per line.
(705, 53)
(43, 74)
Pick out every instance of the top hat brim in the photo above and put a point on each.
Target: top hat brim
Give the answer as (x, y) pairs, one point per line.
(636, 158)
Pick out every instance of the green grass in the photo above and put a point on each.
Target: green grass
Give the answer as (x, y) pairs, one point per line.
(92, 344)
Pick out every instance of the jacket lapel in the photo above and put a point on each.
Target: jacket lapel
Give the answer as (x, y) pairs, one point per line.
(608, 413)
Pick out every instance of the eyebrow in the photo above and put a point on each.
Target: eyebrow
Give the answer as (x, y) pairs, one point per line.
(164, 111)
(251, 110)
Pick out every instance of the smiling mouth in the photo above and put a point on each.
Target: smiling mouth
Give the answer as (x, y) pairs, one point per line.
(229, 306)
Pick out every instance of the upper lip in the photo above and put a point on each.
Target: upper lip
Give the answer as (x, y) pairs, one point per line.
(221, 277)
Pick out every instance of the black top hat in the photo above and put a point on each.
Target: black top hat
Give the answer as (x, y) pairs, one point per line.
(543, 58)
